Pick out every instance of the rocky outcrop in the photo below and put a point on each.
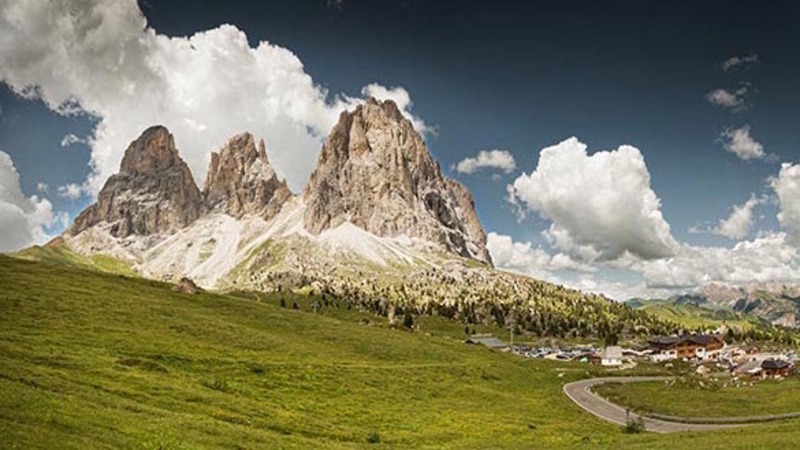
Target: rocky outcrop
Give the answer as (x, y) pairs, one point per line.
(186, 286)
(465, 210)
(241, 181)
(376, 172)
(153, 193)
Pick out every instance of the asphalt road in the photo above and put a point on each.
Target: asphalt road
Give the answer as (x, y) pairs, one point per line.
(579, 392)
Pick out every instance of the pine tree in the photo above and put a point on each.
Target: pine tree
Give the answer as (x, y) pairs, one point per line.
(408, 320)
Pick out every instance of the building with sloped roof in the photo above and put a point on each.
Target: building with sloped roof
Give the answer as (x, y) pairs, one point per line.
(611, 356)
(776, 368)
(687, 346)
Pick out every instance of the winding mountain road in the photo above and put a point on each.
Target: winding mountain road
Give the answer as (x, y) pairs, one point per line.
(580, 393)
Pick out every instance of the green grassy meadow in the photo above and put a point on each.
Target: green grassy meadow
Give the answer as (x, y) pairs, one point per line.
(93, 359)
(694, 317)
(713, 399)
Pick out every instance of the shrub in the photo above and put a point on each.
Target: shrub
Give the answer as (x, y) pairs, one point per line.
(217, 384)
(634, 426)
(408, 321)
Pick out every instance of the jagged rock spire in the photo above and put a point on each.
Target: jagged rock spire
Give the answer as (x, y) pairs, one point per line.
(154, 192)
(375, 171)
(241, 181)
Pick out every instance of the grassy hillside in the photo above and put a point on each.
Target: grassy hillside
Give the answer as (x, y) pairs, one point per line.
(55, 252)
(98, 360)
(449, 294)
(707, 397)
(693, 316)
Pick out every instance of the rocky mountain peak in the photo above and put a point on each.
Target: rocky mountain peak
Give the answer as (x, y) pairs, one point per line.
(152, 151)
(153, 193)
(241, 180)
(376, 172)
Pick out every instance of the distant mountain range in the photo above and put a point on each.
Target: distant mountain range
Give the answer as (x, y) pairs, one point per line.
(776, 303)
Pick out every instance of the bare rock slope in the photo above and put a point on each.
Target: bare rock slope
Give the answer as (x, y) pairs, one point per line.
(241, 181)
(153, 193)
(375, 172)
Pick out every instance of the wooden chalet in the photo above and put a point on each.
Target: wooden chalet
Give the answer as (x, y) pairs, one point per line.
(687, 346)
(776, 368)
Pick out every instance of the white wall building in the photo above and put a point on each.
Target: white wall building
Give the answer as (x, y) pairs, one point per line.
(611, 357)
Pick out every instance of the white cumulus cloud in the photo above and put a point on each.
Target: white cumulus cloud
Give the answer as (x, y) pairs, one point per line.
(736, 61)
(766, 258)
(101, 58)
(787, 187)
(517, 256)
(739, 142)
(733, 100)
(738, 224)
(71, 139)
(565, 170)
(601, 205)
(23, 220)
(71, 191)
(488, 159)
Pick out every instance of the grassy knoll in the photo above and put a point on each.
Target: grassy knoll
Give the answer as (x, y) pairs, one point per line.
(687, 398)
(694, 317)
(58, 254)
(98, 360)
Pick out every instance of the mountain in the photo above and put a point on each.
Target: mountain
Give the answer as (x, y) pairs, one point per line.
(241, 181)
(774, 302)
(778, 303)
(375, 172)
(377, 224)
(153, 193)
(377, 201)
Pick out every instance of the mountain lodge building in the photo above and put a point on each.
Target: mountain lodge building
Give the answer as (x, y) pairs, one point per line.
(688, 346)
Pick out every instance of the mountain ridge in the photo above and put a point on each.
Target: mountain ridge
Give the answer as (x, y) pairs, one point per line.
(376, 198)
(774, 302)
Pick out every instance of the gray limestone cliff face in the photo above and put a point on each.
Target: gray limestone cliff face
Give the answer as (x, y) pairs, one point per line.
(241, 180)
(465, 210)
(375, 171)
(153, 193)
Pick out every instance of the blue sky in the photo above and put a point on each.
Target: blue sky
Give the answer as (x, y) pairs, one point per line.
(512, 76)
